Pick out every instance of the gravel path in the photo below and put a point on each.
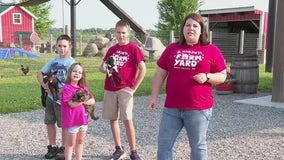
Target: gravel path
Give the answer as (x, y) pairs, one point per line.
(237, 132)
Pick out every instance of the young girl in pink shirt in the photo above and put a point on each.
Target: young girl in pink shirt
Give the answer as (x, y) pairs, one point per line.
(74, 117)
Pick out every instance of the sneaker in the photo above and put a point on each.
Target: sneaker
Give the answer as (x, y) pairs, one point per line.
(60, 154)
(134, 156)
(51, 153)
(118, 154)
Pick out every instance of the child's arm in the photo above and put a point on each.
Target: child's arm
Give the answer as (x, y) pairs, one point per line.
(103, 67)
(140, 75)
(74, 104)
(90, 102)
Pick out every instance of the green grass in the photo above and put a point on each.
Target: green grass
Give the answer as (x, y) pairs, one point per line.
(19, 93)
(265, 80)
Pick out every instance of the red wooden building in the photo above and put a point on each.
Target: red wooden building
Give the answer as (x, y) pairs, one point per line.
(17, 28)
(230, 20)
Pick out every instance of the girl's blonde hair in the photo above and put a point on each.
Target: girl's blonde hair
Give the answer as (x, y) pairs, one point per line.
(83, 81)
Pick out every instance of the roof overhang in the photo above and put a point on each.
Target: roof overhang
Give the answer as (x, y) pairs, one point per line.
(227, 10)
(248, 13)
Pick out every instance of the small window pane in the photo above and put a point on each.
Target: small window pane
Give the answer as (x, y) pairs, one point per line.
(17, 18)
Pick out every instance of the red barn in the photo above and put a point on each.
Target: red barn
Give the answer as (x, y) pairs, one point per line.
(17, 27)
(238, 27)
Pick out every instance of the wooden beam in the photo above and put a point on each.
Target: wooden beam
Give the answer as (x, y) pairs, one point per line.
(278, 52)
(270, 36)
(141, 34)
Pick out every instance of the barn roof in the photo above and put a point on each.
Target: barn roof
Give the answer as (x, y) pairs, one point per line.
(227, 10)
(224, 4)
(4, 9)
(232, 14)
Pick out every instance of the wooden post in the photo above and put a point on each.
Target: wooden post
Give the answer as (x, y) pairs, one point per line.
(67, 30)
(270, 35)
(81, 45)
(172, 36)
(210, 36)
(278, 52)
(21, 41)
(51, 43)
(242, 35)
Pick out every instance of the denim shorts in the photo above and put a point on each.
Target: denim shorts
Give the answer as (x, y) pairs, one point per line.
(76, 129)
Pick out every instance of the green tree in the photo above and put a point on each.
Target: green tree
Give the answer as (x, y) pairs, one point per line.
(172, 13)
(43, 23)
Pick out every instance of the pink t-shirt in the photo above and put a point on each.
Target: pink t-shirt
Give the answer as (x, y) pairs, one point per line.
(71, 117)
(127, 59)
(182, 63)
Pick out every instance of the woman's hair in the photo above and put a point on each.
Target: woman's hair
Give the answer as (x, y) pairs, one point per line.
(83, 81)
(64, 37)
(203, 39)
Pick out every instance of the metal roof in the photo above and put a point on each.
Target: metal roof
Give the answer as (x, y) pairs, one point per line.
(227, 10)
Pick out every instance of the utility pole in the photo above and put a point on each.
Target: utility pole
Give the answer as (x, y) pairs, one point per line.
(63, 25)
(73, 5)
(73, 27)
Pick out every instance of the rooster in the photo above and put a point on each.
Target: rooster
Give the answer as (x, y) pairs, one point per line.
(25, 70)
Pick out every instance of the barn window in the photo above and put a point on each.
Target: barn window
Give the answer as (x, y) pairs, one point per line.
(17, 18)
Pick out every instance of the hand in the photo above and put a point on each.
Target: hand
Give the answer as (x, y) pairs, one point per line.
(114, 68)
(46, 89)
(111, 63)
(200, 78)
(104, 67)
(153, 103)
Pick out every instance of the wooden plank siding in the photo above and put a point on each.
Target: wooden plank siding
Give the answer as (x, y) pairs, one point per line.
(229, 43)
(250, 43)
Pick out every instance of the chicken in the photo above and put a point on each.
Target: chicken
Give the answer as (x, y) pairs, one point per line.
(25, 70)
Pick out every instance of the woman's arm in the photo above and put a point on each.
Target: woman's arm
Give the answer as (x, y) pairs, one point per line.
(213, 78)
(157, 82)
(216, 78)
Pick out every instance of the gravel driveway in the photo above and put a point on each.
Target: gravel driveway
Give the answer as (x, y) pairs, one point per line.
(237, 132)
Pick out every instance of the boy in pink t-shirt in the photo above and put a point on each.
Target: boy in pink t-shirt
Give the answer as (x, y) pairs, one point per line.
(124, 64)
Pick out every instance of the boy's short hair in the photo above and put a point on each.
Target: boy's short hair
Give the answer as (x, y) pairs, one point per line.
(64, 37)
(122, 23)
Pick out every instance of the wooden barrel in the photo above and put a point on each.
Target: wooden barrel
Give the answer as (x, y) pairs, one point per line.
(246, 70)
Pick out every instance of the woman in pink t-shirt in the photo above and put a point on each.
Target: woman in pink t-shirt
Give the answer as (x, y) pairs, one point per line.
(190, 68)
(73, 113)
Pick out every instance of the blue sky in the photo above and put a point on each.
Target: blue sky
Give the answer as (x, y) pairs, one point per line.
(93, 13)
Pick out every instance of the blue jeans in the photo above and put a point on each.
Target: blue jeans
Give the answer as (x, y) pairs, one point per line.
(196, 124)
